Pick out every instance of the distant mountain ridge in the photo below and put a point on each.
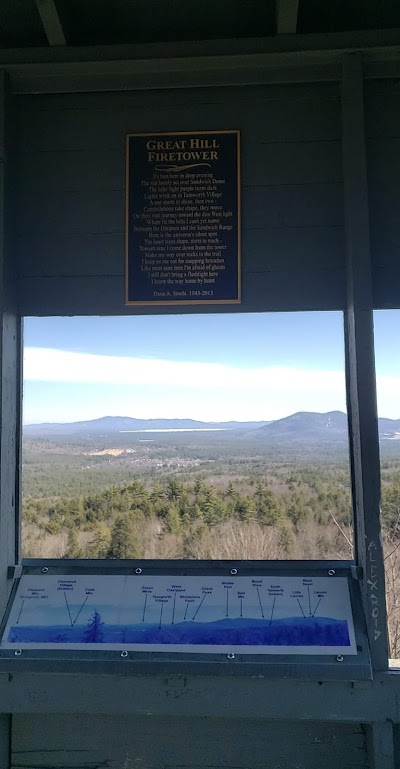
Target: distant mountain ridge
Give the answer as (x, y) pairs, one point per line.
(310, 426)
(307, 426)
(120, 424)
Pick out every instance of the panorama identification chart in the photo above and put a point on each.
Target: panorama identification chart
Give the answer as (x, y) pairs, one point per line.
(199, 614)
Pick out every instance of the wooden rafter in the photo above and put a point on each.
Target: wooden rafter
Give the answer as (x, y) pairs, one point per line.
(51, 22)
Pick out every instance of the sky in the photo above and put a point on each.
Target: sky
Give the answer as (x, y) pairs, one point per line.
(214, 367)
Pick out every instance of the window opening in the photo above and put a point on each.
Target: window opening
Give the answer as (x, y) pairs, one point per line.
(188, 436)
(387, 330)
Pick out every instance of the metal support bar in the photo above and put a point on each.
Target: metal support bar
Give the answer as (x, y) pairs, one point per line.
(286, 16)
(14, 572)
(360, 364)
(51, 22)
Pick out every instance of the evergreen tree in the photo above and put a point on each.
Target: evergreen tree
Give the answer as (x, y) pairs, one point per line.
(230, 490)
(174, 490)
(297, 509)
(73, 549)
(244, 508)
(100, 544)
(173, 520)
(94, 631)
(157, 493)
(124, 540)
(197, 513)
(199, 486)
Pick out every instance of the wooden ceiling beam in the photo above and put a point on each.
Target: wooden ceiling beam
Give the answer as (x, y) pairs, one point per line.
(51, 22)
(286, 16)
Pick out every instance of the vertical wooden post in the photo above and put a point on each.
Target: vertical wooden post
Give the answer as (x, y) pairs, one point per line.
(5, 740)
(10, 399)
(10, 373)
(360, 363)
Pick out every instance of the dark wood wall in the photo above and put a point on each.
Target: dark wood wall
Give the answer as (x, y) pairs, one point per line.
(87, 742)
(382, 109)
(70, 171)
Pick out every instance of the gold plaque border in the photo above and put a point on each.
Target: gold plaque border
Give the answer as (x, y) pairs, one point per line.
(187, 302)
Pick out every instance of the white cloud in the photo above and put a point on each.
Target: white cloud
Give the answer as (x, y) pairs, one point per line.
(50, 365)
(146, 388)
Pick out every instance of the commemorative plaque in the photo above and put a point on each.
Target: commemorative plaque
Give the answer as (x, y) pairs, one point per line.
(183, 218)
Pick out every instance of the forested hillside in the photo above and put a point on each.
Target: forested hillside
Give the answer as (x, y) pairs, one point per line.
(200, 497)
(293, 515)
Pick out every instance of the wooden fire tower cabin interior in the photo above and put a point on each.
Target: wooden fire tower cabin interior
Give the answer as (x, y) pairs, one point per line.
(314, 90)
